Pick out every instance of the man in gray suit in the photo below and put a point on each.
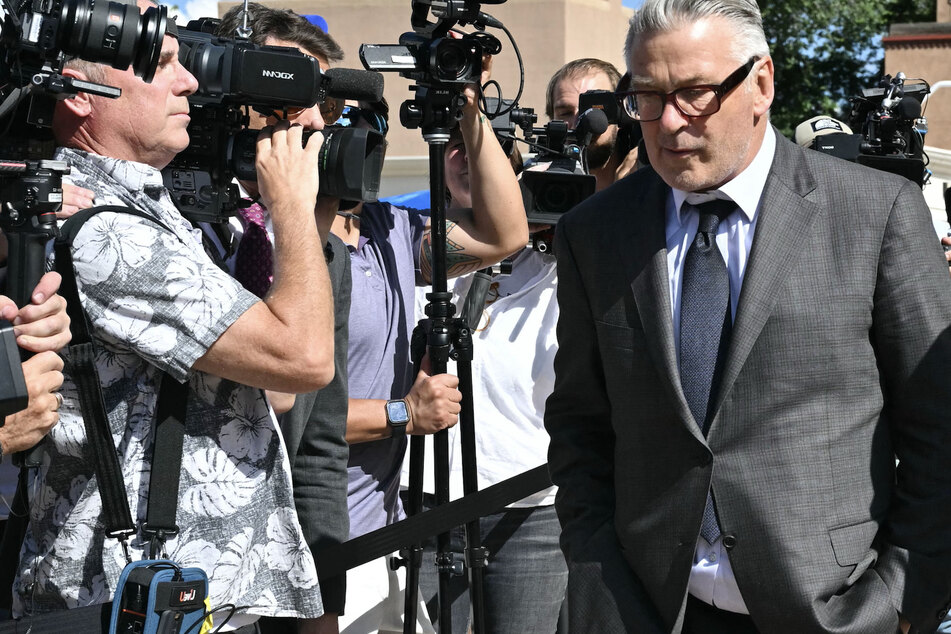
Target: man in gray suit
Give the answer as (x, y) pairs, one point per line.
(750, 335)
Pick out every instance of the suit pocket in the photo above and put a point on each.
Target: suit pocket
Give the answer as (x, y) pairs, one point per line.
(851, 544)
(614, 336)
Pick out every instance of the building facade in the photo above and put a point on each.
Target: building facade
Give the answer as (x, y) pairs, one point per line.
(548, 34)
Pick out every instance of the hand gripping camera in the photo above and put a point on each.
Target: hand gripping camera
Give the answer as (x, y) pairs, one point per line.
(235, 74)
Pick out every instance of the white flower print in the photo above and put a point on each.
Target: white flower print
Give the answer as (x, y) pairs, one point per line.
(130, 320)
(201, 304)
(249, 433)
(221, 486)
(287, 552)
(189, 550)
(237, 568)
(100, 252)
(74, 539)
(95, 594)
(69, 436)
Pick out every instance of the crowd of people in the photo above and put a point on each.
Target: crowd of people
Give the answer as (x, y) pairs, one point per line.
(734, 363)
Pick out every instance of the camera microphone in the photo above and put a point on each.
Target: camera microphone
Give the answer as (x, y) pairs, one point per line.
(591, 123)
(908, 108)
(359, 85)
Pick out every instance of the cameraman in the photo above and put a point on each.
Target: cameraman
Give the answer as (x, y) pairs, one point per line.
(315, 425)
(390, 250)
(158, 305)
(608, 160)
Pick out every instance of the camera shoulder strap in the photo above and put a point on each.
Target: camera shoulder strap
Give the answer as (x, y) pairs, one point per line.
(168, 426)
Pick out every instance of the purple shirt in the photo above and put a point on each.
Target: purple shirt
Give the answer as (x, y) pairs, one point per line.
(384, 269)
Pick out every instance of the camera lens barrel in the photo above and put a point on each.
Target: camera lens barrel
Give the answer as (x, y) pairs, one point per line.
(113, 33)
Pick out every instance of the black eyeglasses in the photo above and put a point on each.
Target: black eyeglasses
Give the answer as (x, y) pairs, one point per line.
(351, 115)
(691, 101)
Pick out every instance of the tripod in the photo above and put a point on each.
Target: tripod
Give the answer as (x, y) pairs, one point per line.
(443, 336)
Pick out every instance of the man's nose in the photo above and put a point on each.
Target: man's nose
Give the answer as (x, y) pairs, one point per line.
(187, 82)
(671, 118)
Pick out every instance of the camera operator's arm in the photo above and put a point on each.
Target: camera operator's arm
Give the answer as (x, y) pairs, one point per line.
(432, 404)
(24, 429)
(284, 342)
(496, 225)
(946, 243)
(325, 212)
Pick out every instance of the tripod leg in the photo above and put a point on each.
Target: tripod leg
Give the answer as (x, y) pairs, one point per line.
(476, 554)
(413, 556)
(444, 557)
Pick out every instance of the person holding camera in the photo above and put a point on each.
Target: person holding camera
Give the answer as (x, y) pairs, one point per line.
(608, 157)
(158, 305)
(313, 424)
(512, 373)
(390, 255)
(754, 366)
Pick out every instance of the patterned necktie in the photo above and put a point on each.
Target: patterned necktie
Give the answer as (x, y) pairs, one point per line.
(254, 264)
(705, 324)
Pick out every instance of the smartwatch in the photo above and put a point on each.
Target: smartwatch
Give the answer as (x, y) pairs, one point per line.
(397, 416)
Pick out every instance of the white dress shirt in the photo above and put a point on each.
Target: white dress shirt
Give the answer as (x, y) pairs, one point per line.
(711, 578)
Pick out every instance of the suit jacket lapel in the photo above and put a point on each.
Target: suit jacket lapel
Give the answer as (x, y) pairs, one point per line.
(781, 229)
(645, 263)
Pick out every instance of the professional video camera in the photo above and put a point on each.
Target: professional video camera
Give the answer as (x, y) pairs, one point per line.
(440, 65)
(36, 39)
(235, 74)
(558, 179)
(893, 129)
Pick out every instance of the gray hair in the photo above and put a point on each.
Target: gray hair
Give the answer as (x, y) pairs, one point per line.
(658, 16)
(94, 71)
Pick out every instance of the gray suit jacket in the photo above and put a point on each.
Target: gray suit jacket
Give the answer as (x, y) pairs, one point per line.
(839, 362)
(314, 432)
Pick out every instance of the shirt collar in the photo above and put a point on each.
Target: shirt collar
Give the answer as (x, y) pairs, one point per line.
(745, 189)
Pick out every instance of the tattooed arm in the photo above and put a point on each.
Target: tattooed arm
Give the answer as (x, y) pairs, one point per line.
(486, 221)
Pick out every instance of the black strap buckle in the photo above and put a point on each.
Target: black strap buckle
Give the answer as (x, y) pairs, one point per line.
(157, 538)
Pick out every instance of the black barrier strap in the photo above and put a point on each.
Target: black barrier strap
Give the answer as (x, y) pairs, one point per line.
(416, 529)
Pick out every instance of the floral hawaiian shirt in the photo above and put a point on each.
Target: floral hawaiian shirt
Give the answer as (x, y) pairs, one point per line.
(156, 303)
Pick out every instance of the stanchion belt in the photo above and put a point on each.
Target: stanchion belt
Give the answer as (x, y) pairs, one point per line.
(419, 527)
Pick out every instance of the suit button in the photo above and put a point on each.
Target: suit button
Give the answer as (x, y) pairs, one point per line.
(729, 541)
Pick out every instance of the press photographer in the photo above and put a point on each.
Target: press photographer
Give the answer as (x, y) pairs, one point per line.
(391, 252)
(163, 317)
(313, 424)
(589, 82)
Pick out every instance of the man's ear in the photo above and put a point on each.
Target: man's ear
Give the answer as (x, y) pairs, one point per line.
(763, 87)
(79, 105)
